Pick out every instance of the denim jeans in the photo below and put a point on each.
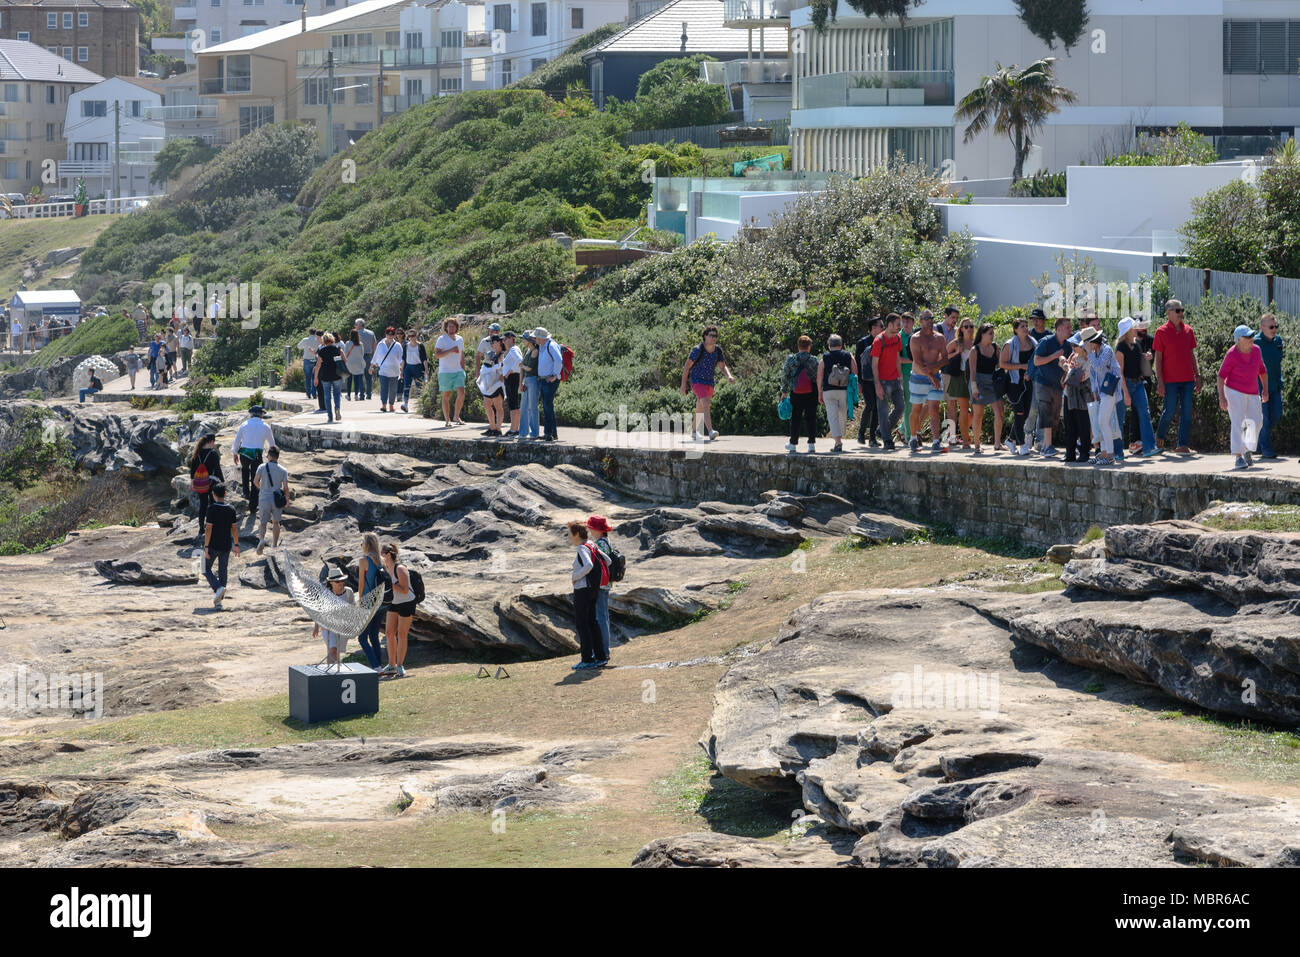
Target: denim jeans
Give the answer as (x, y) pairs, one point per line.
(1177, 395)
(369, 639)
(1137, 391)
(548, 390)
(1272, 415)
(602, 617)
(893, 396)
(86, 392)
(370, 380)
(333, 395)
(309, 371)
(413, 373)
(390, 386)
(528, 421)
(1121, 410)
(222, 561)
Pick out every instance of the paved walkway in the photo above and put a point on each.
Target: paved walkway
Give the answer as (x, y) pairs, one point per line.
(364, 418)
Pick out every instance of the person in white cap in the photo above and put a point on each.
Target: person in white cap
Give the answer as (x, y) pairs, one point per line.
(1131, 354)
(484, 348)
(1107, 378)
(1243, 388)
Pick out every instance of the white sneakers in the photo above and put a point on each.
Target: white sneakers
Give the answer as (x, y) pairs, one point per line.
(217, 596)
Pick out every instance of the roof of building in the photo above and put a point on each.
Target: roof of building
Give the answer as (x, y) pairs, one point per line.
(661, 32)
(20, 60)
(140, 83)
(285, 31)
(46, 297)
(59, 4)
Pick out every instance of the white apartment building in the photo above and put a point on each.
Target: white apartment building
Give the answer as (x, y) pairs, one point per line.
(208, 23)
(107, 120)
(453, 45)
(865, 88)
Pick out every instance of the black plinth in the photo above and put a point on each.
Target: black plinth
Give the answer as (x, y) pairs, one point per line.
(320, 694)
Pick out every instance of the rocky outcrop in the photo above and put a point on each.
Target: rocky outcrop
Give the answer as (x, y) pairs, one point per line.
(53, 381)
(916, 725)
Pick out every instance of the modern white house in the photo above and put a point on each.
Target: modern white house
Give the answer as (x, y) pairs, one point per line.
(110, 125)
(865, 88)
(208, 23)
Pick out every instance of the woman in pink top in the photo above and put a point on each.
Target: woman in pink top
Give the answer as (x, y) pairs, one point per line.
(1240, 377)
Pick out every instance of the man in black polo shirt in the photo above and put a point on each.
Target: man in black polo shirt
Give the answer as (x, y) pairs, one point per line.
(1038, 331)
(1048, 391)
(220, 537)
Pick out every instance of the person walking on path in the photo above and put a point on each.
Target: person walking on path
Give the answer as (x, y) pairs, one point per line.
(699, 376)
(221, 537)
(588, 575)
(529, 392)
(550, 365)
(1177, 376)
(1271, 348)
(272, 481)
(799, 384)
(152, 362)
(205, 471)
(327, 377)
(371, 575)
(416, 370)
(1132, 358)
(336, 645)
(926, 385)
(983, 379)
(1243, 389)
(309, 344)
(132, 365)
(1107, 378)
(449, 350)
(187, 348)
(354, 360)
(388, 362)
(886, 373)
(252, 438)
(833, 372)
(400, 612)
(368, 343)
(598, 530)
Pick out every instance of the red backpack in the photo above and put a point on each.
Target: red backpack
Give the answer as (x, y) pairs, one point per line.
(566, 363)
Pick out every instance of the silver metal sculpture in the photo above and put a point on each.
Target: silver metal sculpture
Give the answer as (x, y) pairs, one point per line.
(327, 609)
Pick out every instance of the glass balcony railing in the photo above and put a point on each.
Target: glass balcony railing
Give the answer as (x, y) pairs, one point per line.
(413, 57)
(742, 13)
(399, 104)
(191, 112)
(729, 72)
(343, 56)
(885, 88)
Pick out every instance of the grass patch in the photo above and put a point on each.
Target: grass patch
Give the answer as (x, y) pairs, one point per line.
(694, 789)
(1258, 517)
(22, 240)
(42, 514)
(101, 335)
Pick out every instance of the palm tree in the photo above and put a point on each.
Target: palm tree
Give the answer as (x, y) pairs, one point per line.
(1016, 103)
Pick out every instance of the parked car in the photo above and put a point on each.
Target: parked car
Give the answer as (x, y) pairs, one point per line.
(17, 199)
(59, 199)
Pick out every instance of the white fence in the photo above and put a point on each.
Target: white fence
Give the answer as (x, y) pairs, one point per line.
(122, 204)
(1190, 286)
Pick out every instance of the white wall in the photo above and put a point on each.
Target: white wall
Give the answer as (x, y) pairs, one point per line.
(1002, 272)
(1112, 207)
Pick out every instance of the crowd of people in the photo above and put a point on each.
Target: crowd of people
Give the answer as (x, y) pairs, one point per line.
(1044, 384)
(266, 488)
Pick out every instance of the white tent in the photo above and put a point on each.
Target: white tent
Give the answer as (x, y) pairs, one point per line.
(30, 305)
(81, 375)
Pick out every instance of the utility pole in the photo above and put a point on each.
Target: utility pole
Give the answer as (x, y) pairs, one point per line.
(117, 150)
(379, 91)
(329, 107)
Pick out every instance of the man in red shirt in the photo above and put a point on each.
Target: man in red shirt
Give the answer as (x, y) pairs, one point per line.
(1176, 374)
(886, 370)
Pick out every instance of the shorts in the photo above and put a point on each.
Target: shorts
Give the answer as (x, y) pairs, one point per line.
(701, 390)
(451, 381)
(1049, 402)
(335, 641)
(923, 389)
(404, 610)
(955, 387)
(267, 512)
(512, 391)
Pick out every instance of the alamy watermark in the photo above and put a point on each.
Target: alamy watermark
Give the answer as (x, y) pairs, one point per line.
(24, 689)
(1075, 299)
(654, 430)
(945, 690)
(215, 300)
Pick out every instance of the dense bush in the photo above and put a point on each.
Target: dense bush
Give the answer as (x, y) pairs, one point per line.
(180, 154)
(1248, 226)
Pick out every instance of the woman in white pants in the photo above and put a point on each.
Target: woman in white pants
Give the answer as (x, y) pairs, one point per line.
(1243, 389)
(1107, 378)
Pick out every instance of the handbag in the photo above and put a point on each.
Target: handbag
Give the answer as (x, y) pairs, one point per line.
(785, 409)
(1109, 384)
(1001, 383)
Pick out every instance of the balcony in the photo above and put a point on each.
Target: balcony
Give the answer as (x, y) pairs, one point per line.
(164, 114)
(180, 14)
(216, 86)
(730, 72)
(400, 104)
(756, 13)
(343, 56)
(888, 88)
(414, 57)
(478, 40)
(94, 169)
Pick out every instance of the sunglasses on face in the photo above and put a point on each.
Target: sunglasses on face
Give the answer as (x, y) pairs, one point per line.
(1178, 310)
(1270, 327)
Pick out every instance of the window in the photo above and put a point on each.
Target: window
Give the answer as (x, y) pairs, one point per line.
(94, 108)
(414, 41)
(507, 72)
(415, 87)
(49, 94)
(67, 53)
(365, 93)
(368, 39)
(216, 3)
(49, 132)
(239, 72)
(90, 152)
(452, 38)
(254, 3)
(313, 91)
(251, 117)
(83, 54)
(393, 38)
(83, 19)
(539, 19)
(51, 21)
(449, 84)
(501, 17)
(133, 108)
(575, 18)
(54, 49)
(1270, 47)
(11, 92)
(67, 21)
(11, 168)
(216, 35)
(24, 35)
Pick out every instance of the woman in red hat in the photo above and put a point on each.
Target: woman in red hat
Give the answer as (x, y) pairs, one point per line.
(600, 529)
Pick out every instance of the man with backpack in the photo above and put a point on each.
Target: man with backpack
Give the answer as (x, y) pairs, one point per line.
(550, 368)
(615, 564)
(272, 482)
(252, 437)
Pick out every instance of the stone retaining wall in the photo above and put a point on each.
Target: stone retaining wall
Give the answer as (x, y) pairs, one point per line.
(1038, 504)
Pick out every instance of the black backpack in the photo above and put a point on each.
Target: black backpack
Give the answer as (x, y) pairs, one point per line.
(417, 584)
(617, 564)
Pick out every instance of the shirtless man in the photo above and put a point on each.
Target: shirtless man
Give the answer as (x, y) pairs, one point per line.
(929, 349)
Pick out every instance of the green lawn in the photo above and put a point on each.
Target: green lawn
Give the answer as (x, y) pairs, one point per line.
(22, 240)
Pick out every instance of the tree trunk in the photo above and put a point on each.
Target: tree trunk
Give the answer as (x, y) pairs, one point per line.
(1018, 143)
